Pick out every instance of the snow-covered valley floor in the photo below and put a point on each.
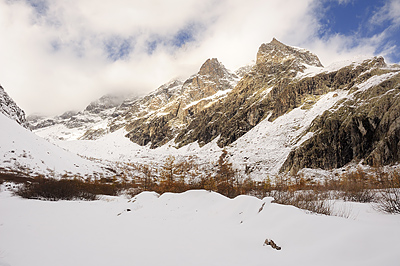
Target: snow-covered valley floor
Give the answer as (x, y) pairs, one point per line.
(191, 228)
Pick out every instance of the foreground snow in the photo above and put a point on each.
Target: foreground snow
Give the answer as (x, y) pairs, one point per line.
(192, 228)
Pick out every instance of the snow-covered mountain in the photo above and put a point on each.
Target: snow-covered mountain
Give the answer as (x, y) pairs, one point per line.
(87, 124)
(284, 113)
(26, 153)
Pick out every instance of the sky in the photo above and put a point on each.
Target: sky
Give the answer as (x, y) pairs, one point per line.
(58, 55)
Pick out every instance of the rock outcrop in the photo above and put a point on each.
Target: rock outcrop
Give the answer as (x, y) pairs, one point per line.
(10, 109)
(365, 126)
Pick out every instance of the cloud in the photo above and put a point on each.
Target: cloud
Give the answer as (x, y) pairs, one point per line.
(60, 55)
(389, 12)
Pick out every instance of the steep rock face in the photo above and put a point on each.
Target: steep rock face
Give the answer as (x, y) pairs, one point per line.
(10, 109)
(263, 92)
(276, 53)
(158, 117)
(364, 126)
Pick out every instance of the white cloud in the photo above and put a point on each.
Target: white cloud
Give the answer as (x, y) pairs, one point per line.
(389, 12)
(345, 2)
(66, 55)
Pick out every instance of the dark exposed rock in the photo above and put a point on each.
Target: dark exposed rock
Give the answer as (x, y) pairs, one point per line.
(270, 242)
(366, 126)
(10, 109)
(160, 116)
(248, 104)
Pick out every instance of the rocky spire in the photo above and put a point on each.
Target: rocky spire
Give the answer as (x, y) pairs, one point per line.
(277, 52)
(213, 68)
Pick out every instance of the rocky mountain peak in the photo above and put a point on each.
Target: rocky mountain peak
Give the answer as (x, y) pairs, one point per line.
(276, 52)
(10, 109)
(212, 67)
(106, 102)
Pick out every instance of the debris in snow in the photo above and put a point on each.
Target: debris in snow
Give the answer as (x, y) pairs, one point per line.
(270, 242)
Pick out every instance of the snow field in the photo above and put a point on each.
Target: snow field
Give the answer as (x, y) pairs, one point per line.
(191, 228)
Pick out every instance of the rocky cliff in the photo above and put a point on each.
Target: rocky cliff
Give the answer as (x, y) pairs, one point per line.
(364, 126)
(10, 109)
(264, 91)
(157, 118)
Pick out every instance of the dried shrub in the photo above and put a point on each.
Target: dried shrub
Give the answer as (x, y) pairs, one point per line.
(357, 186)
(65, 189)
(310, 200)
(388, 199)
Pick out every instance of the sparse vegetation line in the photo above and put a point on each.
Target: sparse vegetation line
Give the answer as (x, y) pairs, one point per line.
(379, 187)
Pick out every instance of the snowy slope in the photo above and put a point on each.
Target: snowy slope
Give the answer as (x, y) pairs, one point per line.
(265, 148)
(192, 228)
(22, 150)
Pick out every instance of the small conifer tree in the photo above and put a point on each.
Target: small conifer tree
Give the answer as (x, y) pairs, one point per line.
(226, 176)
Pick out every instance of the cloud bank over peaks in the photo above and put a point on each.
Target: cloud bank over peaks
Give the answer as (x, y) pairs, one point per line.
(73, 52)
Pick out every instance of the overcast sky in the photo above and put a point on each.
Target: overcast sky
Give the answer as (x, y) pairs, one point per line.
(59, 55)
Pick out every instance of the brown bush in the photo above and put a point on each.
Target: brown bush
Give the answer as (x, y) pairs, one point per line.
(357, 186)
(388, 199)
(66, 189)
(310, 200)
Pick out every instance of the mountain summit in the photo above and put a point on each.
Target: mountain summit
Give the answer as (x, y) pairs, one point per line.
(277, 53)
(213, 68)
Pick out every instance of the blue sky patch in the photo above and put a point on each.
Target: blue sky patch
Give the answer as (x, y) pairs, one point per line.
(183, 36)
(355, 18)
(39, 6)
(179, 39)
(118, 48)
